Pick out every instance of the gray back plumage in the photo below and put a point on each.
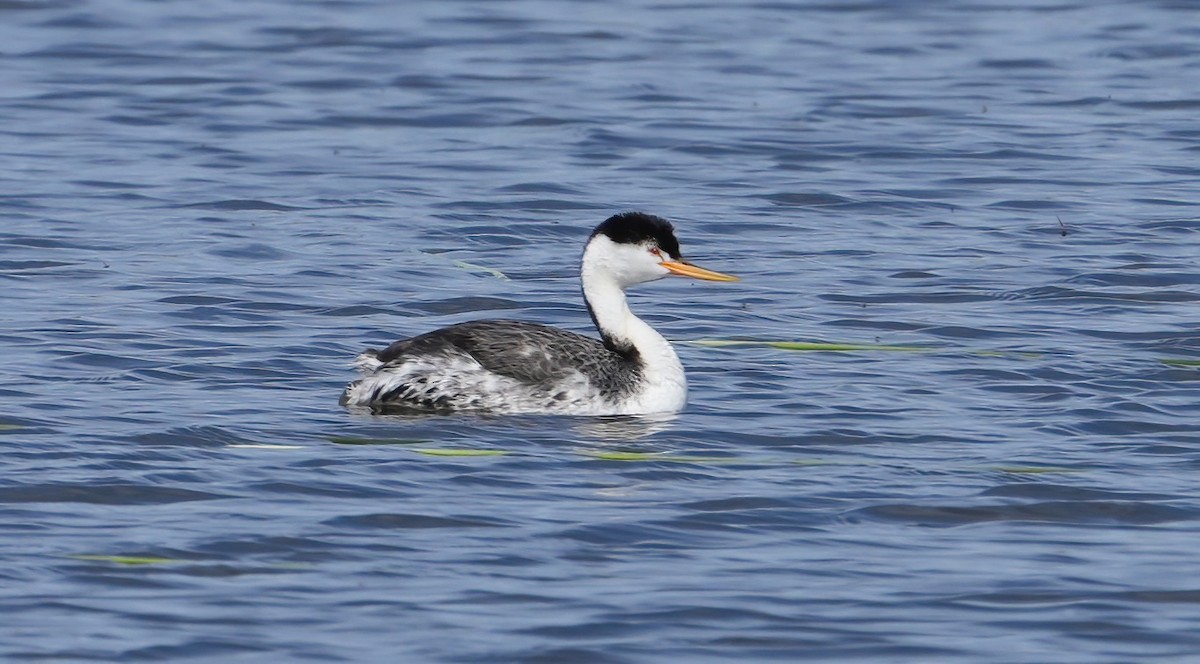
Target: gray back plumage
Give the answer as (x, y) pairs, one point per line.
(527, 352)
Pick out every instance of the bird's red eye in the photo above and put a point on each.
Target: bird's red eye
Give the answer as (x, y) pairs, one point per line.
(656, 251)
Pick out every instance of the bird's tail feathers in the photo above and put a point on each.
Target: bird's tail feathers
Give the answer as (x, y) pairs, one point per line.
(367, 361)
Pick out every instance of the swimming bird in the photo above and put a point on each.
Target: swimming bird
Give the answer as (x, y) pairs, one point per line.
(508, 366)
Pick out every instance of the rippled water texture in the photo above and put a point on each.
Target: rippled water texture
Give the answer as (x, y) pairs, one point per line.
(208, 208)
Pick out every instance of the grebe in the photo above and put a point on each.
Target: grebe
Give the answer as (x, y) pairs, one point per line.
(508, 366)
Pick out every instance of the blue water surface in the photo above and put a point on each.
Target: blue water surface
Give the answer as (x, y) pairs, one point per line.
(207, 209)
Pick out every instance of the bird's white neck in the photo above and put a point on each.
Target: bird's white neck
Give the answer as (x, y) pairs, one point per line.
(664, 384)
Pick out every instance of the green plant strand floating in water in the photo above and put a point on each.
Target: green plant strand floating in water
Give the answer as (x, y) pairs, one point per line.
(457, 452)
(629, 457)
(808, 346)
(465, 265)
(472, 267)
(1179, 362)
(822, 346)
(128, 560)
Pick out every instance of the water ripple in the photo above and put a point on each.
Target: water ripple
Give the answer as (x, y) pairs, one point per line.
(210, 210)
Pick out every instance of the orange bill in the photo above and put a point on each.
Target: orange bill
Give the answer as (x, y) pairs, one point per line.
(686, 269)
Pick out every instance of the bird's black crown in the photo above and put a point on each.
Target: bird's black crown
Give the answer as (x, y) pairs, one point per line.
(638, 228)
